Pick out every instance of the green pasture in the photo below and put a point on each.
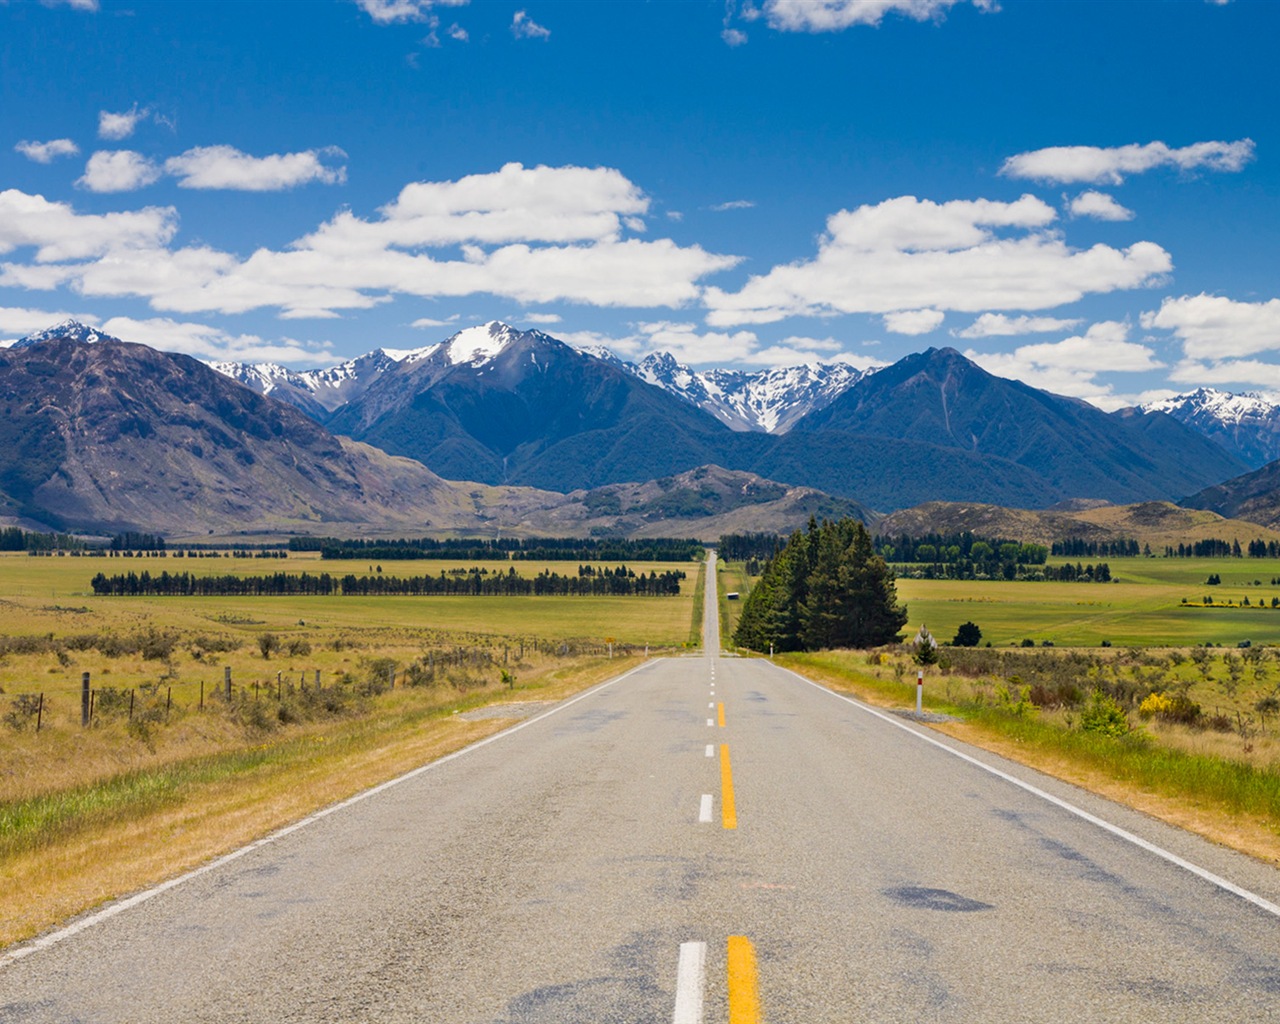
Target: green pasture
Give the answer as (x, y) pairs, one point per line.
(1143, 607)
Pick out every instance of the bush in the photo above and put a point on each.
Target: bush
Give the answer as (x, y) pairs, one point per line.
(968, 635)
(1103, 715)
(22, 710)
(299, 647)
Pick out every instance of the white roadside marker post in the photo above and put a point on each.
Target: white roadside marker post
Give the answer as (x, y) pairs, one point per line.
(919, 690)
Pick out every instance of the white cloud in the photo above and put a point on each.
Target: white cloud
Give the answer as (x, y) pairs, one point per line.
(998, 325)
(835, 15)
(1212, 327)
(734, 37)
(120, 170)
(1253, 374)
(914, 321)
(391, 12)
(120, 126)
(21, 322)
(567, 221)
(75, 5)
(425, 321)
(516, 203)
(907, 254)
(734, 204)
(59, 233)
(46, 152)
(458, 33)
(1069, 164)
(1070, 367)
(1099, 206)
(524, 27)
(225, 167)
(539, 318)
(207, 342)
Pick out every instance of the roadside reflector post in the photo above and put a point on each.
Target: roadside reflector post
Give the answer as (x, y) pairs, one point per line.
(84, 700)
(919, 690)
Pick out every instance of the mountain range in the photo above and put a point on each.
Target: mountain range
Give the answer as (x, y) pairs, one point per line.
(99, 431)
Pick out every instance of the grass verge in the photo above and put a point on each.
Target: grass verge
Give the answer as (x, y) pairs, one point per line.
(699, 596)
(1230, 802)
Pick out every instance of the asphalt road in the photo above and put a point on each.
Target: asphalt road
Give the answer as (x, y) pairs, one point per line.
(627, 858)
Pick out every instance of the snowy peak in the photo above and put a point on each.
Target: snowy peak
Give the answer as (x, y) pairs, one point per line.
(763, 400)
(71, 330)
(1248, 425)
(478, 345)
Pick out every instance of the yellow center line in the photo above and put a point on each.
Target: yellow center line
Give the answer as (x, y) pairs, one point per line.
(720, 713)
(744, 994)
(729, 811)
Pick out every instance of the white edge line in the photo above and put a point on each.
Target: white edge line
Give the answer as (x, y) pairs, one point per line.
(1079, 812)
(704, 809)
(691, 972)
(120, 906)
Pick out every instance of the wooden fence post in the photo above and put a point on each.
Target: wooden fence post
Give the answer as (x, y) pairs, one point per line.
(39, 712)
(227, 676)
(84, 700)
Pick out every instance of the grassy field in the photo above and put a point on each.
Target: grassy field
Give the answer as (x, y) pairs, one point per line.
(1144, 608)
(732, 579)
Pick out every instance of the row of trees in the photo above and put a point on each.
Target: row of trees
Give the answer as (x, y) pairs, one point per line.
(938, 548)
(607, 582)
(546, 549)
(825, 588)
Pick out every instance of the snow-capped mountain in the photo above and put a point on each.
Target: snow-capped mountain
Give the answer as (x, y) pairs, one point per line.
(71, 330)
(1246, 425)
(766, 400)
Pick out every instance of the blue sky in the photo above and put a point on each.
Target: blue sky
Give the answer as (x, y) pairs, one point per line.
(1085, 196)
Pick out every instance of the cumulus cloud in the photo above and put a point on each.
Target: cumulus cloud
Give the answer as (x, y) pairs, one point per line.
(1093, 164)
(205, 342)
(225, 167)
(524, 27)
(836, 15)
(457, 33)
(914, 321)
(1071, 366)
(426, 321)
(46, 152)
(516, 203)
(964, 255)
(19, 322)
(998, 325)
(115, 127)
(733, 204)
(539, 318)
(734, 37)
(533, 236)
(119, 170)
(1212, 327)
(1099, 206)
(58, 233)
(391, 12)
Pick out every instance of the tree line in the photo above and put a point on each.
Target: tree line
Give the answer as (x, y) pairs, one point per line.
(477, 582)
(826, 588)
(547, 549)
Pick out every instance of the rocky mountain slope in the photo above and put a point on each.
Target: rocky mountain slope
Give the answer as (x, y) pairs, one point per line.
(1252, 496)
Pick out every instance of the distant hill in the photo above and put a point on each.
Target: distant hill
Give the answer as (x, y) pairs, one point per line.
(1157, 523)
(1252, 496)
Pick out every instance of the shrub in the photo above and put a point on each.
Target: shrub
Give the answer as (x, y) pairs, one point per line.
(299, 647)
(968, 635)
(1103, 715)
(22, 710)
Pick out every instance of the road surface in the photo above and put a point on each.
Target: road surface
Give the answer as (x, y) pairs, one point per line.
(703, 839)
